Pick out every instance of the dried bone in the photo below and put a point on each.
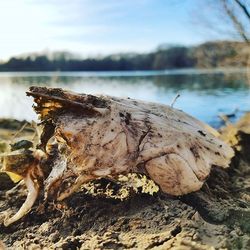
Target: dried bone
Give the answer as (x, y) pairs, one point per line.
(86, 137)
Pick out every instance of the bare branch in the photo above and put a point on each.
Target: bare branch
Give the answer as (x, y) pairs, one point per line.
(243, 7)
(238, 25)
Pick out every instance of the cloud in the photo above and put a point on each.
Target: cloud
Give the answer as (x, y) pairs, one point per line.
(90, 26)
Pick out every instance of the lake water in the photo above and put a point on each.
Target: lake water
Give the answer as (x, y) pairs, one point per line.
(203, 93)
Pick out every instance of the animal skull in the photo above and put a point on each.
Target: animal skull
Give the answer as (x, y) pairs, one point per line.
(87, 137)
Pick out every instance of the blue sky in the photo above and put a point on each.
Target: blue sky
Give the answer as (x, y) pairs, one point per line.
(92, 27)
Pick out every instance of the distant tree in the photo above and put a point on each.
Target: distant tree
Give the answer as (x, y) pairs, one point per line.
(43, 63)
(173, 57)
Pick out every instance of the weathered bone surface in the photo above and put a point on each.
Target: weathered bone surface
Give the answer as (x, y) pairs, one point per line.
(86, 137)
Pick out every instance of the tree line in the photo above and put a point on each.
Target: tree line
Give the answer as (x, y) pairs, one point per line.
(207, 55)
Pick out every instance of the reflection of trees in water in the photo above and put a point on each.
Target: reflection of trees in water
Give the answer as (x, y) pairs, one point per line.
(41, 80)
(203, 82)
(192, 82)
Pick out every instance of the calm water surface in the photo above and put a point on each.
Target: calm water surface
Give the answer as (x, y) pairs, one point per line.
(204, 94)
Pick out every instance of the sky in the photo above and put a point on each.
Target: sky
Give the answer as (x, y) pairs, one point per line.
(95, 27)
